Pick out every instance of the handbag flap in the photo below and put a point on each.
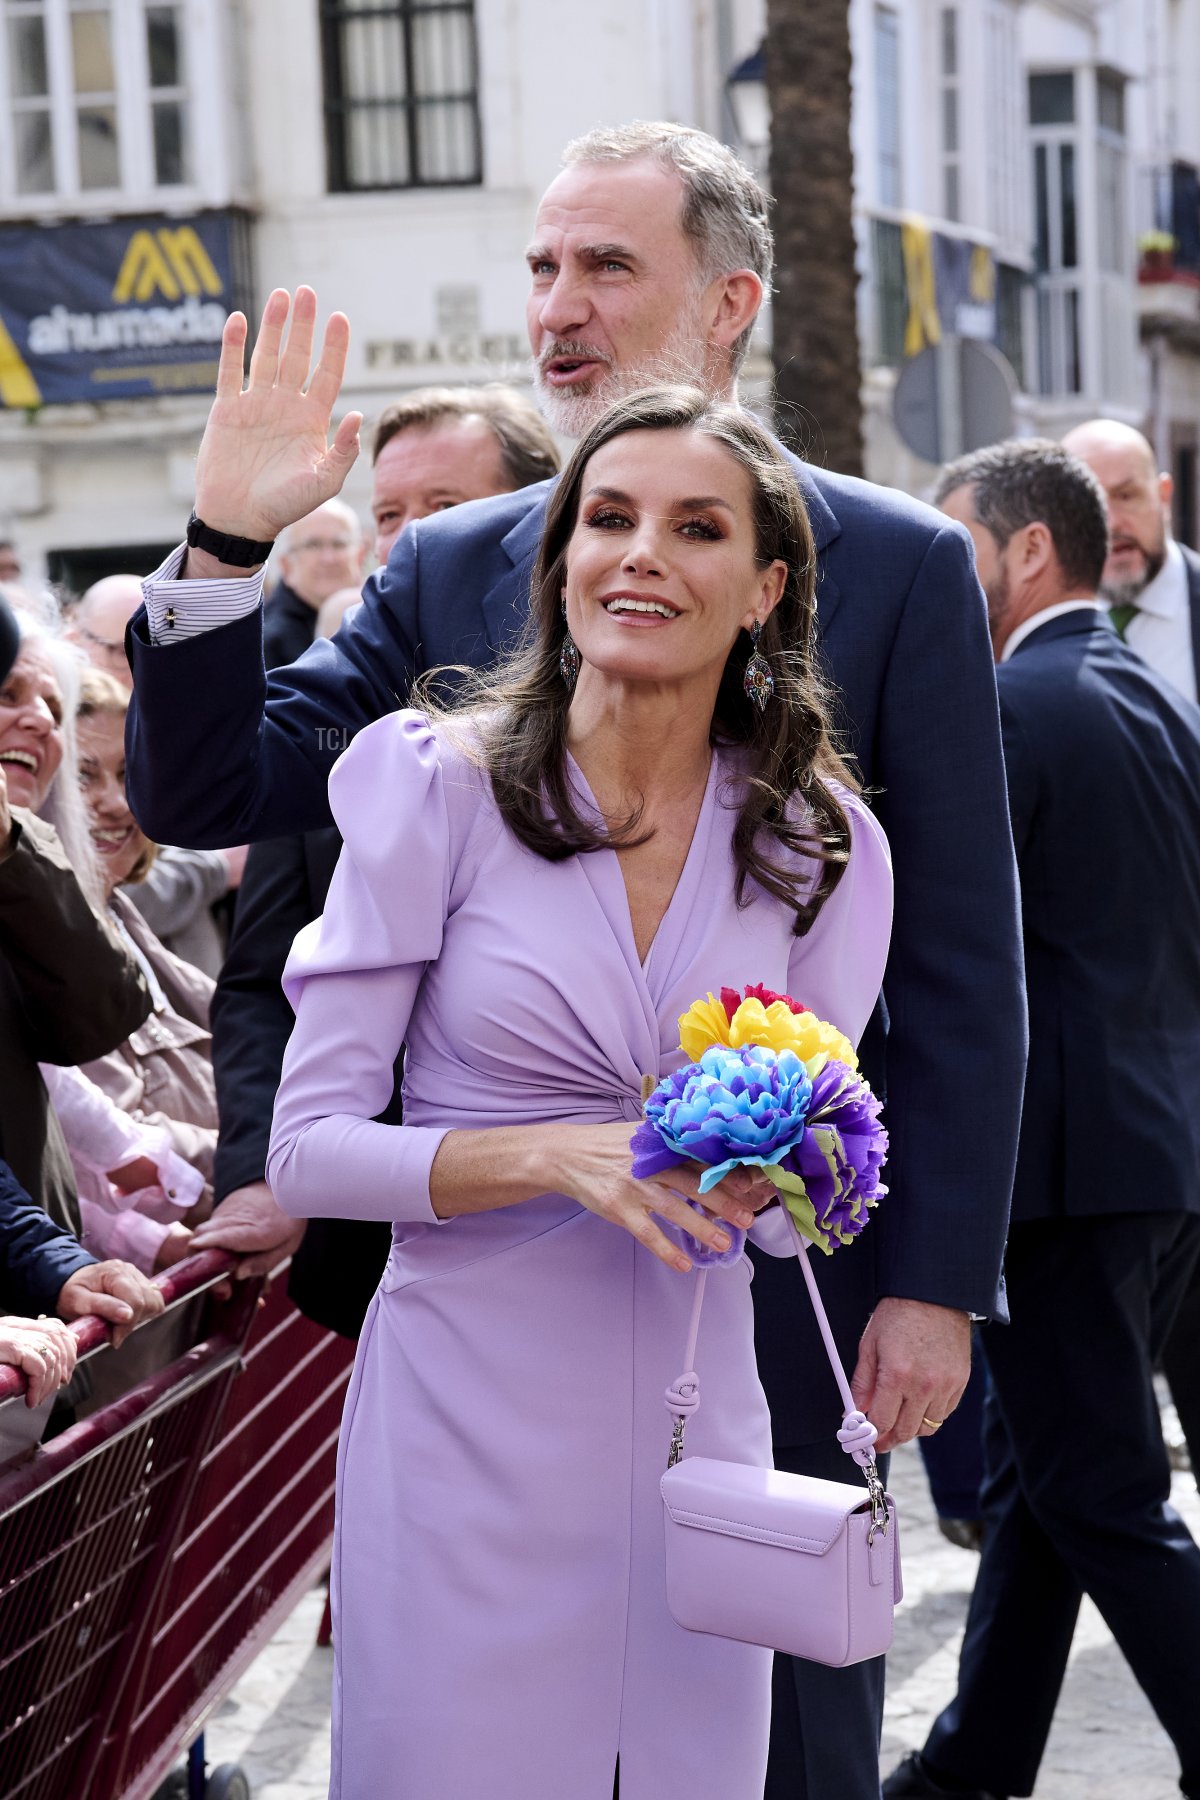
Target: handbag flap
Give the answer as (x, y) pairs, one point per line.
(768, 1506)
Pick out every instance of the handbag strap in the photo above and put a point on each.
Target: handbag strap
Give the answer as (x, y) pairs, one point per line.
(857, 1435)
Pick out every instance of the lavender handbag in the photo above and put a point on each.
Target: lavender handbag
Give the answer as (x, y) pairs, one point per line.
(791, 1562)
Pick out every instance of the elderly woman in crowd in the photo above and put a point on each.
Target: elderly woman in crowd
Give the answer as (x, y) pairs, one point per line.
(161, 1077)
(67, 989)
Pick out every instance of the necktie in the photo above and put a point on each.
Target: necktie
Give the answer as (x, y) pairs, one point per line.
(1119, 617)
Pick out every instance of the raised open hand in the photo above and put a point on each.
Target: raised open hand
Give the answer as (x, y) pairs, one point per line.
(265, 459)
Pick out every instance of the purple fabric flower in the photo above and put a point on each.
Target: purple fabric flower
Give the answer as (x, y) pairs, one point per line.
(835, 1168)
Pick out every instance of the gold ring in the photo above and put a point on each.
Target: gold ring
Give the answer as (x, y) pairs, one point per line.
(933, 1424)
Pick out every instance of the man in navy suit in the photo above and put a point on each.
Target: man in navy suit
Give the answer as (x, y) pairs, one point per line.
(1152, 584)
(1103, 760)
(651, 255)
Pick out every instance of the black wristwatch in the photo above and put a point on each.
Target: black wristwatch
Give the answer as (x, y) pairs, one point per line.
(242, 553)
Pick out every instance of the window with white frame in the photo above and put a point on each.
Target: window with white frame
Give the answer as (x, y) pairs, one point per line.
(887, 107)
(1052, 131)
(1006, 176)
(1112, 173)
(401, 93)
(949, 60)
(93, 101)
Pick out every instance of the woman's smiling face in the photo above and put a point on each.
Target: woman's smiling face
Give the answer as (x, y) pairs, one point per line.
(31, 736)
(116, 834)
(662, 566)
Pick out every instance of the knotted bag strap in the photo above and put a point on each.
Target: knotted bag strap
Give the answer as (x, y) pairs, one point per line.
(857, 1435)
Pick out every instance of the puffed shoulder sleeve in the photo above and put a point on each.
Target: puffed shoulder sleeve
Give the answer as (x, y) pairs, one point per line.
(836, 969)
(352, 979)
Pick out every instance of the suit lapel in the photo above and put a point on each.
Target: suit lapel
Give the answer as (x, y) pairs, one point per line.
(825, 529)
(506, 603)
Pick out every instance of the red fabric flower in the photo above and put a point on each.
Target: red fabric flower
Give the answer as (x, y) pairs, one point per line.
(759, 992)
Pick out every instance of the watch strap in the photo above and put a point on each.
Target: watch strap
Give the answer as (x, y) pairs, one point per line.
(239, 552)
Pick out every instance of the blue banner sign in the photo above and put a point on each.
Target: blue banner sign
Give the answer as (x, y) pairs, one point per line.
(117, 309)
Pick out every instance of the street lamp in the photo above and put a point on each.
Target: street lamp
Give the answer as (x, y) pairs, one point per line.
(746, 88)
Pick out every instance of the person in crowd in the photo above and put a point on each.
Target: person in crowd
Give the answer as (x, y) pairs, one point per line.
(69, 988)
(97, 623)
(45, 1269)
(317, 555)
(509, 1182)
(1151, 581)
(10, 560)
(134, 1188)
(161, 1075)
(441, 446)
(1152, 584)
(182, 887)
(1103, 760)
(435, 448)
(652, 243)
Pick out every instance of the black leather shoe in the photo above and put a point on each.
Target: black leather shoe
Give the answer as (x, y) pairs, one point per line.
(910, 1780)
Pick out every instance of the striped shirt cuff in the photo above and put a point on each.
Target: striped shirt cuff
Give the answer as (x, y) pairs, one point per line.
(183, 609)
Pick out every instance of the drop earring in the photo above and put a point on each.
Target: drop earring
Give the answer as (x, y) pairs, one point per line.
(568, 656)
(758, 681)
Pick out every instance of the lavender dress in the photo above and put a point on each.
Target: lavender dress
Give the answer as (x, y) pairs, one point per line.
(499, 1607)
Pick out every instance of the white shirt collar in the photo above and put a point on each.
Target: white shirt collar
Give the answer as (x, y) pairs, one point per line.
(1029, 626)
(1167, 595)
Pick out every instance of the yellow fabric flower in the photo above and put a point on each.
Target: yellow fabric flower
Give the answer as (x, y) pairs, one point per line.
(703, 1024)
(779, 1028)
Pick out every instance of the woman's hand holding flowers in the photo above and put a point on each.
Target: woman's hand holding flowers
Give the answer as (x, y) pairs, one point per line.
(594, 1166)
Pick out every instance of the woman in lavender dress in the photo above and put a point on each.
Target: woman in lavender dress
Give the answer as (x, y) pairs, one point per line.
(531, 893)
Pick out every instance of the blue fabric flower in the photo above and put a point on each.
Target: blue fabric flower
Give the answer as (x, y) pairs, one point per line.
(731, 1108)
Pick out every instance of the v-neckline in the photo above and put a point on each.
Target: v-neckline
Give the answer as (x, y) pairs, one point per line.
(685, 882)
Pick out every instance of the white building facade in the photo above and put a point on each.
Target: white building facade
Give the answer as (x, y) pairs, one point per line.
(173, 160)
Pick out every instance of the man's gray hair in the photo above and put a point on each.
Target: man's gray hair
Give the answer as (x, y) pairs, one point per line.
(724, 205)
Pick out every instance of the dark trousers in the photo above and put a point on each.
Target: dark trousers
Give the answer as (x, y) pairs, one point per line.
(1181, 1366)
(1076, 1496)
(825, 1723)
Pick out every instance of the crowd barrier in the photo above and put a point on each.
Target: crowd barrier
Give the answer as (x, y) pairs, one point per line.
(149, 1552)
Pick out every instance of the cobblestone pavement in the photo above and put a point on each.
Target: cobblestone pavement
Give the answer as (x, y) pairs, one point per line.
(1106, 1743)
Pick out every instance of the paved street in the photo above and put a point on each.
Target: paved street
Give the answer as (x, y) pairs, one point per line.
(1106, 1743)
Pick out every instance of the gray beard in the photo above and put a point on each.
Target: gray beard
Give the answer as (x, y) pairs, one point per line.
(1125, 593)
(573, 412)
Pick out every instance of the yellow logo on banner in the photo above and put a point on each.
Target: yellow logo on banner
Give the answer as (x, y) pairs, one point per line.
(167, 262)
(17, 385)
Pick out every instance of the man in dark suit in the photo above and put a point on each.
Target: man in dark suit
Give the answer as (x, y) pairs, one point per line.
(1103, 760)
(436, 448)
(652, 246)
(1152, 584)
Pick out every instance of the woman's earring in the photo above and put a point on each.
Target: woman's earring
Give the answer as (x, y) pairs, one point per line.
(568, 656)
(758, 681)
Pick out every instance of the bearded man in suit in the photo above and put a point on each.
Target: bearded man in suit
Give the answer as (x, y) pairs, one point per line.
(651, 255)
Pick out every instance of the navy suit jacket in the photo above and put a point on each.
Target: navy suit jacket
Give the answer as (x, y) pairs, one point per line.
(1103, 759)
(336, 1270)
(220, 754)
(36, 1255)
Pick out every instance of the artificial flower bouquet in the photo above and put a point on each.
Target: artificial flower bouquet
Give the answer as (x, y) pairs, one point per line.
(771, 1085)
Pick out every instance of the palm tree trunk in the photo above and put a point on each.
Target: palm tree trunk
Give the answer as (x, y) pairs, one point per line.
(817, 369)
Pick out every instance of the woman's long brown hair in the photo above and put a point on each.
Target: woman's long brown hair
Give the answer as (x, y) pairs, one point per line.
(519, 711)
